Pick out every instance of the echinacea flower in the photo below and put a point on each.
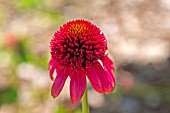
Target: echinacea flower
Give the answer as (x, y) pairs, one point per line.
(78, 49)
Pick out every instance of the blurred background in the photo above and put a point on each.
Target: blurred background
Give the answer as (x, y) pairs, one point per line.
(138, 33)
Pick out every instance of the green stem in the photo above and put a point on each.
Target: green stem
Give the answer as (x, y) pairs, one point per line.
(85, 106)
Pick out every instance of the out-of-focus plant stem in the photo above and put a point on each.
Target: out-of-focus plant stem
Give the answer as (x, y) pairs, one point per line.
(85, 106)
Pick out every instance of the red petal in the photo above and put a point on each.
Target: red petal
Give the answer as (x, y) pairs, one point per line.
(101, 80)
(108, 64)
(51, 67)
(77, 85)
(59, 82)
(95, 79)
(52, 71)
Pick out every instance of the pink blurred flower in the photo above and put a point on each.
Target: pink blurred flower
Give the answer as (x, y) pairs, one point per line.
(126, 81)
(10, 40)
(78, 50)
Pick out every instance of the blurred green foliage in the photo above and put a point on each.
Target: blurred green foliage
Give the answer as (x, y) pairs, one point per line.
(62, 109)
(21, 53)
(65, 109)
(8, 95)
(23, 5)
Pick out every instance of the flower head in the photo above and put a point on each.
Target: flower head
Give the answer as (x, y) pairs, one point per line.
(78, 49)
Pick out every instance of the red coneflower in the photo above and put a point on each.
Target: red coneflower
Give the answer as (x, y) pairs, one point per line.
(78, 50)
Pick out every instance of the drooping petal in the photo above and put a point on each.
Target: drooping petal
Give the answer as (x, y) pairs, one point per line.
(108, 64)
(51, 67)
(109, 83)
(101, 80)
(59, 82)
(95, 79)
(52, 71)
(77, 85)
(51, 62)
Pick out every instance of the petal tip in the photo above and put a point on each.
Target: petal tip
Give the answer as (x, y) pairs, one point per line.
(77, 86)
(53, 95)
(74, 101)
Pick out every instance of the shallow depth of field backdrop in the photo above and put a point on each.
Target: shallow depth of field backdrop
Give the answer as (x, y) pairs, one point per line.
(138, 33)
